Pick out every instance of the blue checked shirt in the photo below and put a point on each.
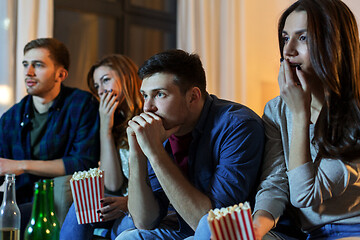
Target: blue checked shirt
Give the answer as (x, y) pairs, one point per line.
(72, 134)
(224, 156)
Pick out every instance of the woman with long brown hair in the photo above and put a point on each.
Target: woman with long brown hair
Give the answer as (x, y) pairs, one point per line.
(312, 154)
(115, 82)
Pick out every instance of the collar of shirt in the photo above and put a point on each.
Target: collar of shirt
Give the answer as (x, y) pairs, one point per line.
(29, 114)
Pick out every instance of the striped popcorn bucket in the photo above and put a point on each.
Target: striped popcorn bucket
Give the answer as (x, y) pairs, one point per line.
(232, 223)
(86, 194)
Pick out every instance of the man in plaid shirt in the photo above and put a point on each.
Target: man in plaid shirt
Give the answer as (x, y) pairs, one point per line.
(54, 130)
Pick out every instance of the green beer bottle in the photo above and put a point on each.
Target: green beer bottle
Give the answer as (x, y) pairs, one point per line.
(50, 198)
(43, 222)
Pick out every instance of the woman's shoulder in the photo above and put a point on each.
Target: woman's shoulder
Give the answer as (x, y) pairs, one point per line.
(276, 108)
(274, 103)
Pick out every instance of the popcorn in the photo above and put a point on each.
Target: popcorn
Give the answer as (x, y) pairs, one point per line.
(234, 222)
(93, 172)
(87, 189)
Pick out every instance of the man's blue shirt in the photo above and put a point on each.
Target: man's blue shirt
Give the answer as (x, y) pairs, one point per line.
(224, 157)
(72, 133)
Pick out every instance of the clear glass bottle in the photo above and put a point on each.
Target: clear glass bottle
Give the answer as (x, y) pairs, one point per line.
(9, 211)
(43, 223)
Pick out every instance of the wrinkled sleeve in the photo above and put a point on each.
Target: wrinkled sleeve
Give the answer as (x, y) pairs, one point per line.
(273, 191)
(85, 149)
(159, 194)
(312, 183)
(240, 154)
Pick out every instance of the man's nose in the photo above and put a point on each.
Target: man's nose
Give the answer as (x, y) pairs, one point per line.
(149, 106)
(30, 71)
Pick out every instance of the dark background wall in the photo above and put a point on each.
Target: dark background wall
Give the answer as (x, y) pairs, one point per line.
(94, 28)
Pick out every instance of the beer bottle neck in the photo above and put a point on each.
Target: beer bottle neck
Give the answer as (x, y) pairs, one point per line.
(10, 191)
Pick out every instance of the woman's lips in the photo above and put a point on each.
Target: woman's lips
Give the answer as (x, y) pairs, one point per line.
(294, 65)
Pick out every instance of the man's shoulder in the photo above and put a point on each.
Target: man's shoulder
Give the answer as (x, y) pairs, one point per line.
(75, 97)
(76, 93)
(17, 108)
(75, 101)
(234, 112)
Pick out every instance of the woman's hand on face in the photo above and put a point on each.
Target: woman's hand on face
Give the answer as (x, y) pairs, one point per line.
(108, 105)
(113, 208)
(294, 89)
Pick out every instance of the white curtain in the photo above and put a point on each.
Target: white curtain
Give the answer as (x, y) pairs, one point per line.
(21, 21)
(7, 53)
(237, 42)
(211, 28)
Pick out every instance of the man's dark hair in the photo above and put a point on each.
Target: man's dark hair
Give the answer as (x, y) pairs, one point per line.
(58, 51)
(186, 67)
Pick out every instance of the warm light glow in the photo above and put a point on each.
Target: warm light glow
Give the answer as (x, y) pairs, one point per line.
(5, 95)
(6, 23)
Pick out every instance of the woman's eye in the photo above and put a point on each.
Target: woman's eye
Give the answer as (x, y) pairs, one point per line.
(302, 38)
(106, 79)
(285, 39)
(96, 87)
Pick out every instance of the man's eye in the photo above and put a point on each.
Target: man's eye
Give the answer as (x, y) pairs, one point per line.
(38, 65)
(160, 94)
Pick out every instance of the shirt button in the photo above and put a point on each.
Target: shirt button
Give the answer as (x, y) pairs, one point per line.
(22, 124)
(27, 115)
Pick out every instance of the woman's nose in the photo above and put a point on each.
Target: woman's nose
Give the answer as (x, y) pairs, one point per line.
(100, 90)
(290, 48)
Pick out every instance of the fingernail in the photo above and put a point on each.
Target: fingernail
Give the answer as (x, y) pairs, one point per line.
(115, 94)
(105, 91)
(281, 59)
(98, 211)
(110, 90)
(298, 67)
(101, 216)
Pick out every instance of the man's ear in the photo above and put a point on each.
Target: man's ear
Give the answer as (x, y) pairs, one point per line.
(61, 75)
(194, 95)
